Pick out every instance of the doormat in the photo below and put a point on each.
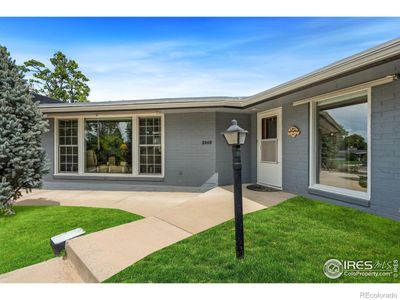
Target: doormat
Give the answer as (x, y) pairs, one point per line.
(261, 188)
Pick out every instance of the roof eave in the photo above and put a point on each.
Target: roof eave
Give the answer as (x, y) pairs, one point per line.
(155, 106)
(353, 63)
(368, 57)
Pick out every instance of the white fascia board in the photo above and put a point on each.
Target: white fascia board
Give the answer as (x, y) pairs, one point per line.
(141, 106)
(349, 90)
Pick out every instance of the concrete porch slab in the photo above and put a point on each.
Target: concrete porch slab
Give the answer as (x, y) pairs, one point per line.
(141, 203)
(205, 211)
(267, 199)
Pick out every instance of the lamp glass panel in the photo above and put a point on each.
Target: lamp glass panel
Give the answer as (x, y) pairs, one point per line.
(231, 137)
(242, 137)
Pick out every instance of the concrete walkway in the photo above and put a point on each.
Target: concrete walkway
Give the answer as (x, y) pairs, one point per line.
(55, 270)
(206, 210)
(170, 217)
(141, 203)
(102, 254)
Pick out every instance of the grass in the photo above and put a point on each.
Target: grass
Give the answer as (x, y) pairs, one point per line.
(24, 238)
(286, 243)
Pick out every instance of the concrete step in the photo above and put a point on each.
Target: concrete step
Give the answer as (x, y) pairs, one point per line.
(55, 270)
(100, 255)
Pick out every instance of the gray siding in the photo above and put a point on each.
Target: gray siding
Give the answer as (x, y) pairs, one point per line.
(224, 151)
(188, 163)
(295, 151)
(187, 160)
(48, 145)
(385, 140)
(192, 165)
(385, 131)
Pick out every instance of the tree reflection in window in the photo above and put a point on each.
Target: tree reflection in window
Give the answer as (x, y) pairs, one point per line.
(108, 146)
(343, 143)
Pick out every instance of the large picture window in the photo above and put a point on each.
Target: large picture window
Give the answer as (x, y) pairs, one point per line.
(68, 146)
(108, 146)
(126, 145)
(342, 143)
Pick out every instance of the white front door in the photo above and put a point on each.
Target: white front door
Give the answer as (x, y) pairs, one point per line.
(269, 148)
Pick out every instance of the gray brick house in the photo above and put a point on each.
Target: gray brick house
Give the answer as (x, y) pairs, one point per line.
(333, 135)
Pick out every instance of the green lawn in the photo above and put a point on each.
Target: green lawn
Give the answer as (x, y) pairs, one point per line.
(286, 243)
(24, 238)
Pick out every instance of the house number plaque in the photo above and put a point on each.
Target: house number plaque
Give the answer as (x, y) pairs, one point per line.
(294, 131)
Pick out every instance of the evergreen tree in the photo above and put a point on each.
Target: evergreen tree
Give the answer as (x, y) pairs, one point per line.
(64, 81)
(22, 158)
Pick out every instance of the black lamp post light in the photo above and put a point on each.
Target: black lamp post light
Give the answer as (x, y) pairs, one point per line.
(236, 136)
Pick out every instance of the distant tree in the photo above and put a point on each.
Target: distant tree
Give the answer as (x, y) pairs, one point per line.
(22, 158)
(331, 143)
(64, 82)
(355, 141)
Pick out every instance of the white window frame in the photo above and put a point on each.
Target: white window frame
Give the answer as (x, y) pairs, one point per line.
(278, 116)
(313, 147)
(135, 145)
(57, 144)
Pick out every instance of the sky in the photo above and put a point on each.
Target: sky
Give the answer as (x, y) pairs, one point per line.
(141, 58)
(354, 118)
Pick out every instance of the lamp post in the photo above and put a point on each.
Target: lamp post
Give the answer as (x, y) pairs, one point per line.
(236, 136)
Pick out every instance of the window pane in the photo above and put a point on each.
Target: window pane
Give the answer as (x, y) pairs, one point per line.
(108, 146)
(150, 145)
(269, 128)
(269, 151)
(343, 144)
(68, 145)
(143, 150)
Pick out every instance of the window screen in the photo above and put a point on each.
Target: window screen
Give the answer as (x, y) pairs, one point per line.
(269, 151)
(269, 142)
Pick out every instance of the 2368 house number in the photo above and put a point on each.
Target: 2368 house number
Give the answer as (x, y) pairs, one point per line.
(206, 142)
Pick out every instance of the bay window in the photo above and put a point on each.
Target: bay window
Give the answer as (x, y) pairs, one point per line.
(110, 146)
(340, 157)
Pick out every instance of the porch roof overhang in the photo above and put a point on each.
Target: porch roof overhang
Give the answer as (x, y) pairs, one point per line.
(355, 63)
